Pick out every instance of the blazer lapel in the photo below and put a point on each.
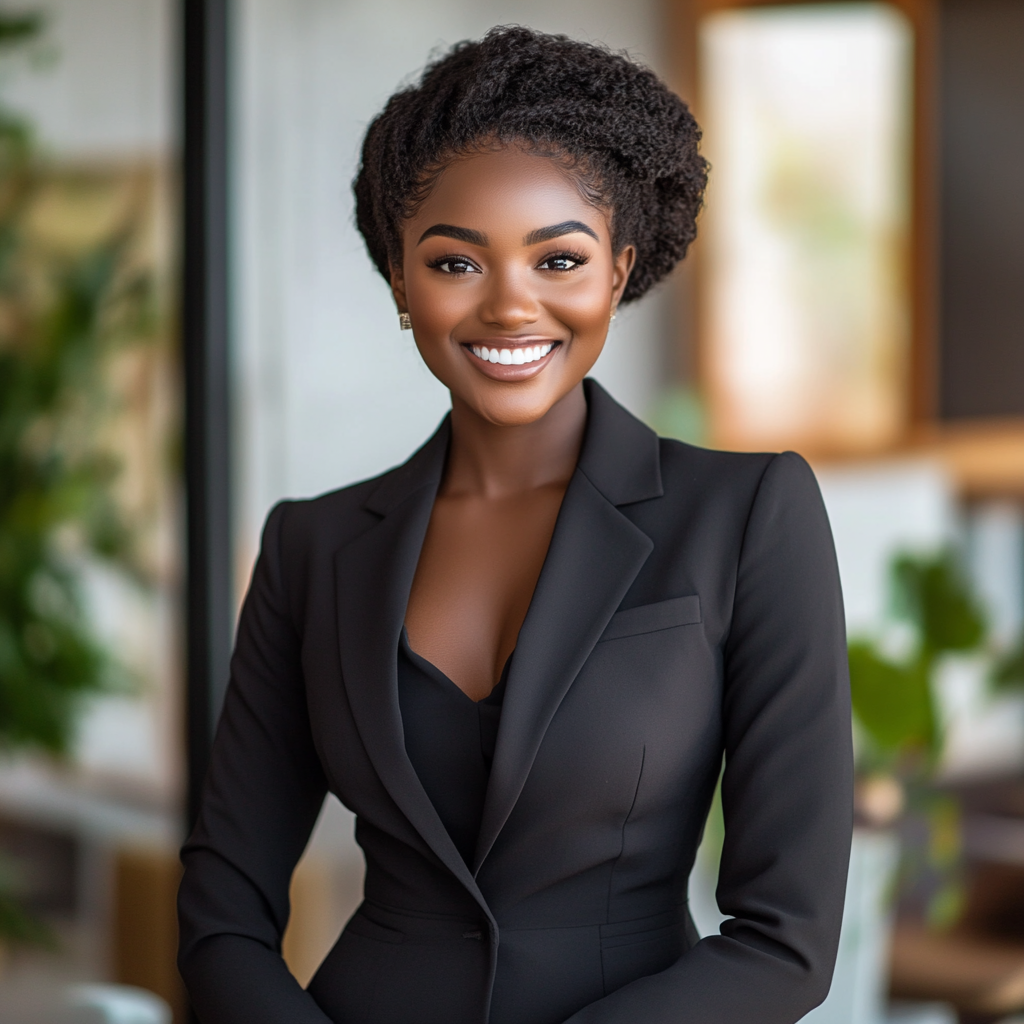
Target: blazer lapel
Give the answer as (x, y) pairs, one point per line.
(595, 554)
(374, 575)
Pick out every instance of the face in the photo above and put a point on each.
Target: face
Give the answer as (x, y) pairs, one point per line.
(510, 281)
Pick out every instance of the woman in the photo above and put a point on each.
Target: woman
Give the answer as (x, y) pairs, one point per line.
(520, 657)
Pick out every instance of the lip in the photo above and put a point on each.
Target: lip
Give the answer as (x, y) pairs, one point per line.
(506, 372)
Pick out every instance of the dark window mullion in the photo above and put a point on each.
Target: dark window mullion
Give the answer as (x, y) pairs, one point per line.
(205, 336)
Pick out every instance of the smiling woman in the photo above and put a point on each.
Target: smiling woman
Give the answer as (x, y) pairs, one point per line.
(520, 657)
(536, 270)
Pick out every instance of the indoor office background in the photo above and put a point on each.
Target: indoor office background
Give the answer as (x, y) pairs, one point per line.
(190, 330)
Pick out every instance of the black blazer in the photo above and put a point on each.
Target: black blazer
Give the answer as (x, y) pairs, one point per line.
(689, 607)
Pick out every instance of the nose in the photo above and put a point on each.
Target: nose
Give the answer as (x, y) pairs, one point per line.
(508, 303)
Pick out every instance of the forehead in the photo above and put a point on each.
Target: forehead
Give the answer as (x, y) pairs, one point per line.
(505, 190)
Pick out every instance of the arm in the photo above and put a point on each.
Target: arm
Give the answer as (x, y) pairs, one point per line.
(261, 798)
(787, 787)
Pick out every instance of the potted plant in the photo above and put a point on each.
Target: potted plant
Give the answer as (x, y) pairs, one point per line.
(63, 312)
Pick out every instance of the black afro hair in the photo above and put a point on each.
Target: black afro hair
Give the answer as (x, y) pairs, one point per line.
(631, 142)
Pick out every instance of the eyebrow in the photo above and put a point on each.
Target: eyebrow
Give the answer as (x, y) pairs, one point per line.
(459, 234)
(567, 227)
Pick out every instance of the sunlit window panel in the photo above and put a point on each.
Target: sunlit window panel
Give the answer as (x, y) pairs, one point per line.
(807, 114)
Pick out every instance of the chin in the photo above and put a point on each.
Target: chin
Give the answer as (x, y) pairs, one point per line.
(516, 406)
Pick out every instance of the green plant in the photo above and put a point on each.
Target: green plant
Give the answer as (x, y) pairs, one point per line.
(63, 311)
(893, 700)
(1008, 671)
(55, 503)
(895, 708)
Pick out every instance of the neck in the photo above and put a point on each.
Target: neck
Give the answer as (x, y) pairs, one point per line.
(493, 461)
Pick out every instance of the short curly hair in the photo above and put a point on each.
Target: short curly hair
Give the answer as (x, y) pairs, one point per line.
(630, 142)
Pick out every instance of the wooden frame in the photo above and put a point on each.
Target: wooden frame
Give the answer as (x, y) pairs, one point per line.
(683, 17)
(985, 458)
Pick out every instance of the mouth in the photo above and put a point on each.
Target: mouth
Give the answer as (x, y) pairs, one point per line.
(508, 361)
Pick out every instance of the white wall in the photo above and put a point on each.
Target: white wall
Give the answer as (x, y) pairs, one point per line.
(877, 511)
(329, 390)
(105, 85)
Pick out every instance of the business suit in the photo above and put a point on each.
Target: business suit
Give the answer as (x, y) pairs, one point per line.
(689, 605)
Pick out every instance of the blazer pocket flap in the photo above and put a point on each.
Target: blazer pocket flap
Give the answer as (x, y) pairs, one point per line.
(650, 618)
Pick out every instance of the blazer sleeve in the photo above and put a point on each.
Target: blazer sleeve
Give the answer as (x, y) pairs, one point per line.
(263, 792)
(787, 789)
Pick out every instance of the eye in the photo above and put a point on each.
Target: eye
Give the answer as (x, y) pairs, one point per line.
(563, 261)
(456, 265)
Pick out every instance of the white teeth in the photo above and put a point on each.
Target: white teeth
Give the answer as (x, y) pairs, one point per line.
(511, 356)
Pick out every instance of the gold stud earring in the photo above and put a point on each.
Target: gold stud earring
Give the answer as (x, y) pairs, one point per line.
(404, 321)
(612, 317)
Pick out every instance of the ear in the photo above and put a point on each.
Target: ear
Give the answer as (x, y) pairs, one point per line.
(398, 288)
(624, 263)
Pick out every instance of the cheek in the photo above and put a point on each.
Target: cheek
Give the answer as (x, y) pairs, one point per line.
(585, 307)
(437, 305)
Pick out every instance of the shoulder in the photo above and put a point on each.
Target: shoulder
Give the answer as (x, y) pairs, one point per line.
(305, 534)
(764, 508)
(740, 474)
(326, 521)
(719, 494)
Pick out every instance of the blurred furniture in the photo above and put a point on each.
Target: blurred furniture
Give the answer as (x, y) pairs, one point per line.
(920, 1013)
(985, 458)
(979, 966)
(103, 871)
(85, 1004)
(112, 1004)
(976, 974)
(144, 933)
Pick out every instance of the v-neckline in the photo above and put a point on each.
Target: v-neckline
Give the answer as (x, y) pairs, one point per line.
(497, 691)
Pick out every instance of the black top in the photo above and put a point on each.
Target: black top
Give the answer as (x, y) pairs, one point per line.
(450, 740)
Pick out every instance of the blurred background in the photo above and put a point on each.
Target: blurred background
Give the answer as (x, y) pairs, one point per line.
(190, 330)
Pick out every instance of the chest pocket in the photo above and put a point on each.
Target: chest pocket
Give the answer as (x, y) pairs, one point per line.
(651, 618)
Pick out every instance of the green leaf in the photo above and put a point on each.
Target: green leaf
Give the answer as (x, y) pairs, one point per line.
(932, 592)
(63, 315)
(1008, 673)
(17, 28)
(893, 702)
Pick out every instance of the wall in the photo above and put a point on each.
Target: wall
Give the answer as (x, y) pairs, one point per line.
(104, 86)
(981, 357)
